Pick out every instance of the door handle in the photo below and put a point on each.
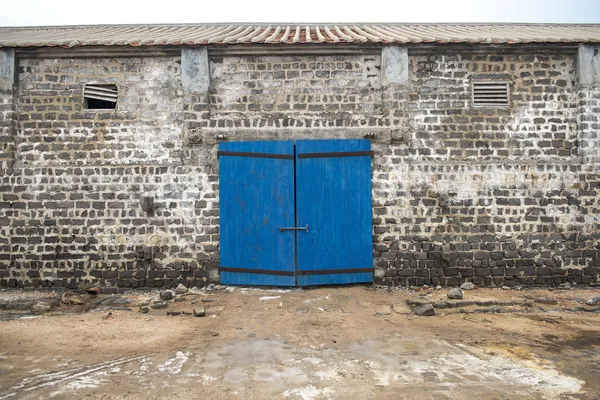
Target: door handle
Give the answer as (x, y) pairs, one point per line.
(295, 228)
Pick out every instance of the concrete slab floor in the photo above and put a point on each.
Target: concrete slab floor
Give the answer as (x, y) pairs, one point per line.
(324, 343)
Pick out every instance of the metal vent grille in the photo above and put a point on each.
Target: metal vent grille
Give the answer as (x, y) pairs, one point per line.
(100, 96)
(490, 94)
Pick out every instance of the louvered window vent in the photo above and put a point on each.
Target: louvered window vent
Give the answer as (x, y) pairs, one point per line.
(490, 94)
(100, 97)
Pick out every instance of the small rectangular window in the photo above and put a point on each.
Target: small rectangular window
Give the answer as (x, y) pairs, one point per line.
(490, 94)
(100, 97)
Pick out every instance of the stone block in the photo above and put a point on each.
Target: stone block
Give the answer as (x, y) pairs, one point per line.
(195, 70)
(7, 68)
(394, 65)
(588, 65)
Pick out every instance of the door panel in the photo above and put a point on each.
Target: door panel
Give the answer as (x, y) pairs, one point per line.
(333, 197)
(256, 184)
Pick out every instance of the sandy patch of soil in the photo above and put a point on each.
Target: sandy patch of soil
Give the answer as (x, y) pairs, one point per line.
(329, 342)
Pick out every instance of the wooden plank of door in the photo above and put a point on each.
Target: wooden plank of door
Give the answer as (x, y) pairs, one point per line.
(256, 197)
(333, 197)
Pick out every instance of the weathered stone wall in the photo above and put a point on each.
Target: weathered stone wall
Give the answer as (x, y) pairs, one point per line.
(496, 196)
(71, 206)
(540, 124)
(54, 128)
(302, 86)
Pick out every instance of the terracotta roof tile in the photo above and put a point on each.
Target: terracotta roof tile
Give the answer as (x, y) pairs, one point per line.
(149, 35)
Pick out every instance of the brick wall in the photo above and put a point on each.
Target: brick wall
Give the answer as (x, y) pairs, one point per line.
(497, 196)
(71, 210)
(55, 129)
(540, 124)
(297, 85)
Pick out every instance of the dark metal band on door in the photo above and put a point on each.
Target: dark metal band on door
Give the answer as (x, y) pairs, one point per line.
(337, 154)
(253, 155)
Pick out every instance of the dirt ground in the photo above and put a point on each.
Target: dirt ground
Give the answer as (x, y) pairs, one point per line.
(323, 343)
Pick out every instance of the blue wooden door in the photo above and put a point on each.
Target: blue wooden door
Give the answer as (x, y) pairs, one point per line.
(256, 185)
(333, 198)
(295, 215)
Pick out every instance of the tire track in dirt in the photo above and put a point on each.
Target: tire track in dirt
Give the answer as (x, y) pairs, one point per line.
(54, 378)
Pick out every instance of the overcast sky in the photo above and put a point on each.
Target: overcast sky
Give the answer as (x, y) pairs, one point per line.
(78, 12)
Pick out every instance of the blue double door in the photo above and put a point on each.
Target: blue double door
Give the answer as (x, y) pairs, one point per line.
(295, 213)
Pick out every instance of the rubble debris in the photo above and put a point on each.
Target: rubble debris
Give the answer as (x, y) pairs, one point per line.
(41, 307)
(425, 310)
(467, 286)
(158, 304)
(455, 293)
(144, 310)
(593, 301)
(166, 294)
(24, 304)
(180, 289)
(442, 304)
(196, 291)
(212, 286)
(115, 301)
(417, 302)
(565, 286)
(70, 298)
(199, 311)
(177, 313)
